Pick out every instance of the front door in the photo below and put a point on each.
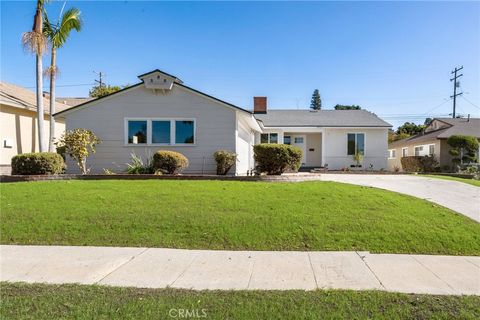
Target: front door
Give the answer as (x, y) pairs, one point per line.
(301, 142)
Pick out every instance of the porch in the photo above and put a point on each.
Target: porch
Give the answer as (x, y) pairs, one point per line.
(309, 140)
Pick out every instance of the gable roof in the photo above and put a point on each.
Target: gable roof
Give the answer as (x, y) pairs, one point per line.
(321, 118)
(158, 70)
(457, 126)
(23, 98)
(176, 83)
(462, 126)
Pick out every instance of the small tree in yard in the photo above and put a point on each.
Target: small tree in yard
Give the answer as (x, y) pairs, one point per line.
(316, 103)
(463, 149)
(78, 144)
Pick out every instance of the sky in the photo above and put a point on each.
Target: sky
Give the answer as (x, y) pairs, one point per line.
(391, 58)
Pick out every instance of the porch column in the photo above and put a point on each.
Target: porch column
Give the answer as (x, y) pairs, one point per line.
(323, 147)
(280, 137)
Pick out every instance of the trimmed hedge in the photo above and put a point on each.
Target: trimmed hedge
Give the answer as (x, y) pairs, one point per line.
(419, 164)
(169, 162)
(276, 158)
(225, 161)
(38, 163)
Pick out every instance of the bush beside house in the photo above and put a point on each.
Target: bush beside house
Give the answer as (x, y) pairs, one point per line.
(38, 163)
(275, 159)
(225, 161)
(419, 164)
(169, 162)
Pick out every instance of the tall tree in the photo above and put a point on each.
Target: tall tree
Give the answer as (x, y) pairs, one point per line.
(57, 35)
(346, 107)
(316, 102)
(35, 42)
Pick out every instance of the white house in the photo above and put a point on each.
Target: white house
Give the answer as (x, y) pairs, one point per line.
(161, 112)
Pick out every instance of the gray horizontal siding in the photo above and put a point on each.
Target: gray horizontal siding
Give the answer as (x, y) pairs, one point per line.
(215, 127)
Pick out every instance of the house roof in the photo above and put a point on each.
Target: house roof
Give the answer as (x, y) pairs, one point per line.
(73, 101)
(178, 83)
(457, 126)
(462, 126)
(320, 118)
(23, 98)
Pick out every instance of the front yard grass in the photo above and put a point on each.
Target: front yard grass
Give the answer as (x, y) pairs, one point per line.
(231, 215)
(472, 182)
(22, 301)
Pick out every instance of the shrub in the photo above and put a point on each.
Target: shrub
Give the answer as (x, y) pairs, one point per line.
(463, 149)
(170, 162)
(78, 144)
(419, 164)
(225, 161)
(38, 163)
(277, 158)
(138, 167)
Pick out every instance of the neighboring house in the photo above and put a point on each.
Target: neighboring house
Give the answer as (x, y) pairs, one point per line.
(18, 122)
(73, 101)
(161, 112)
(433, 141)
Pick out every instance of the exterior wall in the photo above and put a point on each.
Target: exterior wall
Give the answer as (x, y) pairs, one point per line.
(335, 148)
(215, 127)
(20, 126)
(244, 147)
(440, 152)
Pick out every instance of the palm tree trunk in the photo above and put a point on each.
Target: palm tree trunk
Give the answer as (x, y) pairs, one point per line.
(40, 112)
(53, 68)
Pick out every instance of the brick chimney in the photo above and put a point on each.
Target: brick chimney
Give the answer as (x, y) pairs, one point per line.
(259, 104)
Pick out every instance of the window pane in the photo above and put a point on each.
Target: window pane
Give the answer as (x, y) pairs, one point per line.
(393, 154)
(417, 151)
(137, 132)
(360, 143)
(160, 131)
(184, 131)
(351, 144)
(287, 140)
(264, 138)
(273, 137)
(431, 149)
(404, 152)
(298, 139)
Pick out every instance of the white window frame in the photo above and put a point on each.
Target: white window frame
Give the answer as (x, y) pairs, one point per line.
(364, 142)
(149, 132)
(392, 154)
(269, 141)
(425, 150)
(406, 153)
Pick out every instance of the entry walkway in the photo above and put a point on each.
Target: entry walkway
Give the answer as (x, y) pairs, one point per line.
(240, 270)
(458, 196)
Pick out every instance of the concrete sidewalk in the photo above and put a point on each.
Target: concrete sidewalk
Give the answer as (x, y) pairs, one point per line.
(240, 270)
(458, 196)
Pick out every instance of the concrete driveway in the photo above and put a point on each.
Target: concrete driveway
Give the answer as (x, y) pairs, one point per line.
(460, 197)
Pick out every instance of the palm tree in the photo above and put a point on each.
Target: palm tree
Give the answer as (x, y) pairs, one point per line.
(57, 35)
(36, 42)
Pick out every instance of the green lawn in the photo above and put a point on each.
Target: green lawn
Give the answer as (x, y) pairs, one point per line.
(231, 215)
(473, 182)
(22, 301)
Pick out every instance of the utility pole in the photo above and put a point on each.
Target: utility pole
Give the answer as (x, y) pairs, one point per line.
(100, 78)
(455, 85)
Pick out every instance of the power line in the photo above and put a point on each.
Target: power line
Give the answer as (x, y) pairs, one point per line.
(69, 85)
(100, 80)
(473, 104)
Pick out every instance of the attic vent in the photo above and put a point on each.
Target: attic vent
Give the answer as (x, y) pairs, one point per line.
(164, 80)
(158, 77)
(151, 80)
